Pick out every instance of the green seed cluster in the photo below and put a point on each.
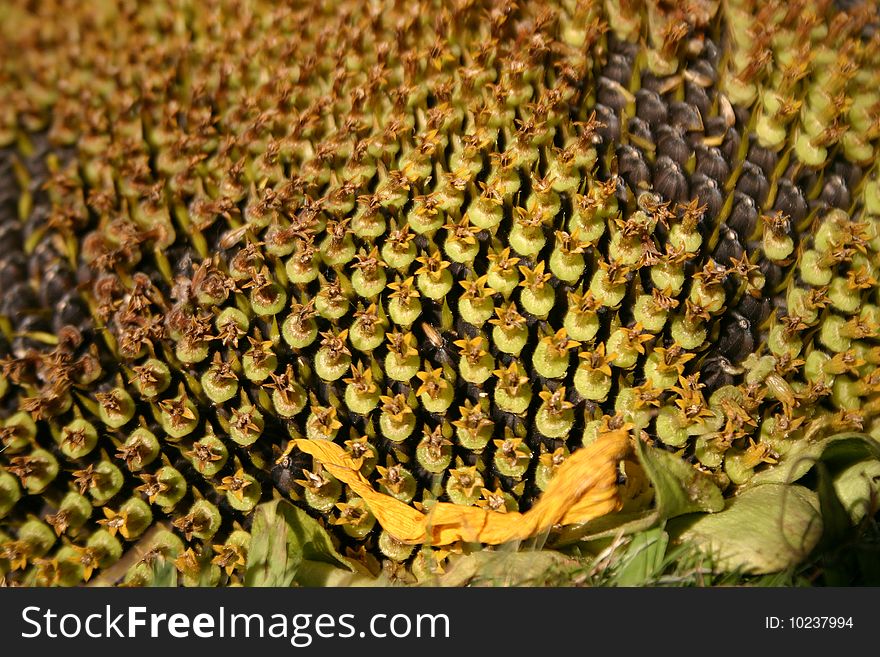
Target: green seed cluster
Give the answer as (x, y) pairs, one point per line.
(460, 239)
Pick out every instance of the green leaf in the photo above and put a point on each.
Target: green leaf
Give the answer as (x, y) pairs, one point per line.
(764, 529)
(644, 560)
(283, 539)
(858, 487)
(678, 489)
(267, 562)
(312, 539)
(835, 520)
(506, 568)
(837, 449)
(320, 574)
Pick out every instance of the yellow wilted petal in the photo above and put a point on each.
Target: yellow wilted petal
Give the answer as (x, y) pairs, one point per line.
(402, 521)
(584, 488)
(449, 523)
